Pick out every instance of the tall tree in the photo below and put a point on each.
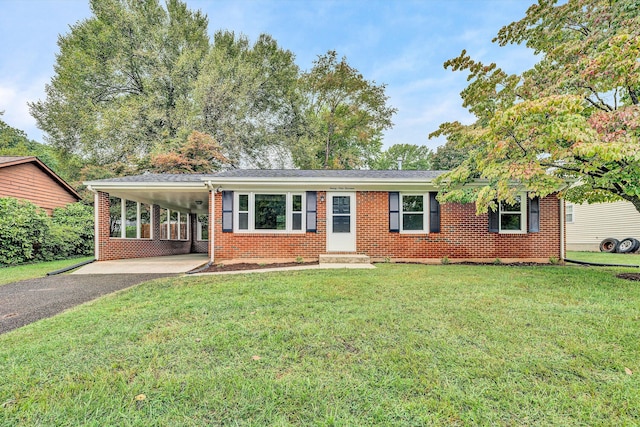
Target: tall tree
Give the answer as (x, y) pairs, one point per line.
(247, 100)
(123, 80)
(14, 142)
(346, 116)
(201, 153)
(571, 123)
(448, 156)
(405, 156)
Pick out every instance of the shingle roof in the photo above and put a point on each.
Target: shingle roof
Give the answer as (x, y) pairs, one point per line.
(324, 173)
(161, 177)
(11, 159)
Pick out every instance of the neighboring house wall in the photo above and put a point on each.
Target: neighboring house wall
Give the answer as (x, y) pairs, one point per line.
(29, 182)
(463, 236)
(110, 248)
(590, 224)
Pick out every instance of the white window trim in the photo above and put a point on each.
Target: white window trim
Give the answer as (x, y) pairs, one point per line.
(199, 230)
(570, 207)
(425, 212)
(251, 217)
(524, 201)
(123, 220)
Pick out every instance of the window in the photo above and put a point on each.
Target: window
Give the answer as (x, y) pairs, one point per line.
(115, 217)
(174, 225)
(569, 216)
(511, 217)
(137, 219)
(269, 212)
(203, 227)
(413, 213)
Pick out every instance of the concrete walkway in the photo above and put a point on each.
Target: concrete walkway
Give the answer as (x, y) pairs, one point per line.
(173, 264)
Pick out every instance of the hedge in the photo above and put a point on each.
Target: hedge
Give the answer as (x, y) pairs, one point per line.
(28, 234)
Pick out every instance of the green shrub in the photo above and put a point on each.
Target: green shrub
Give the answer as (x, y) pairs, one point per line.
(28, 234)
(78, 218)
(22, 229)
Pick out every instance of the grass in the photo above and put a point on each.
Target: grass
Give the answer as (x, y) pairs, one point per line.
(605, 258)
(398, 345)
(32, 271)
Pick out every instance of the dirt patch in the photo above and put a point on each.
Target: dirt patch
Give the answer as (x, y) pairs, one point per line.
(629, 276)
(242, 266)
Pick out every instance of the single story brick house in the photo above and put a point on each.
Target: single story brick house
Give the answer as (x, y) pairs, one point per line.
(27, 178)
(293, 214)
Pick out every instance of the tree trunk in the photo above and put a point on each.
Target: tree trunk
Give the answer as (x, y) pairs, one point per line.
(633, 199)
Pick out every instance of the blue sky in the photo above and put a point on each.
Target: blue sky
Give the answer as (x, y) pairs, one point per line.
(400, 43)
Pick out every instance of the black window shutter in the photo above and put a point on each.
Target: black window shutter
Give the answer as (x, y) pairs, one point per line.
(312, 211)
(394, 212)
(227, 211)
(494, 221)
(534, 215)
(434, 213)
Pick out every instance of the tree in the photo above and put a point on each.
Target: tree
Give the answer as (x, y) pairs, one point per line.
(411, 157)
(570, 124)
(200, 154)
(346, 116)
(447, 157)
(247, 100)
(123, 80)
(14, 142)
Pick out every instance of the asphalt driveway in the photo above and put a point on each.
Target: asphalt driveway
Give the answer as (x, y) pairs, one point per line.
(25, 302)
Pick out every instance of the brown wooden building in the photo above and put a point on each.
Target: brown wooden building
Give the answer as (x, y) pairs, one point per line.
(29, 179)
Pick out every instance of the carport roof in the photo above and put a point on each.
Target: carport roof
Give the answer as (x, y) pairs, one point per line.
(158, 177)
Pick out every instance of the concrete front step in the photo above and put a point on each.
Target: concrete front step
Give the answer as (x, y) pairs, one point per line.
(344, 259)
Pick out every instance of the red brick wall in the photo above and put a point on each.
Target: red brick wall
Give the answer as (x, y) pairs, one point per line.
(463, 236)
(118, 248)
(256, 245)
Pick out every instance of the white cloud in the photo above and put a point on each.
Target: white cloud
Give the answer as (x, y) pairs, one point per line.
(13, 101)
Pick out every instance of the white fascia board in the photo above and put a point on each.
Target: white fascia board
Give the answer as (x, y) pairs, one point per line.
(106, 186)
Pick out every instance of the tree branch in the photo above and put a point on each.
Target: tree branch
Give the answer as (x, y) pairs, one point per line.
(603, 105)
(633, 94)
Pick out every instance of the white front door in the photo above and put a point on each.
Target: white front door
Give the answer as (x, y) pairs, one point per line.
(341, 222)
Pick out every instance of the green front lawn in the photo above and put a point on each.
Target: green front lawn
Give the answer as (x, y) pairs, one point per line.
(399, 345)
(32, 271)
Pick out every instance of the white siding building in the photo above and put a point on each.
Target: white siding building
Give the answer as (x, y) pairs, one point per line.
(588, 225)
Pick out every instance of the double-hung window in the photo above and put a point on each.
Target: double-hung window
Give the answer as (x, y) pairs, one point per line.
(569, 213)
(269, 212)
(413, 213)
(512, 216)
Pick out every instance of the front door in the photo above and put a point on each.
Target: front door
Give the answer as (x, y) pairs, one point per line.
(341, 222)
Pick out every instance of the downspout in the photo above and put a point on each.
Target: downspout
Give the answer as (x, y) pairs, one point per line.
(562, 220)
(212, 229)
